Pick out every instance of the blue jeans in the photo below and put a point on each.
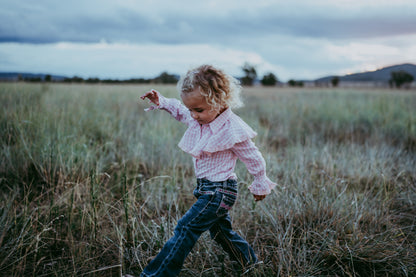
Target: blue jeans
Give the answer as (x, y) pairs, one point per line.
(210, 212)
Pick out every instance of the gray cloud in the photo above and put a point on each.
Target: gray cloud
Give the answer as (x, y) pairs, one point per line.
(292, 38)
(44, 25)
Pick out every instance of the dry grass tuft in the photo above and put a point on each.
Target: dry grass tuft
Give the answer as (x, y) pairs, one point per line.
(90, 185)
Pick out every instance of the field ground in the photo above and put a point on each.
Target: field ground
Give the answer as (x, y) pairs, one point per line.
(91, 185)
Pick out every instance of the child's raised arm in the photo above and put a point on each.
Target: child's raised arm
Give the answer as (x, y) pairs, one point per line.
(171, 105)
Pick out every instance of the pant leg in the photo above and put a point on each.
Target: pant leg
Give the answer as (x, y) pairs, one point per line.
(237, 247)
(200, 217)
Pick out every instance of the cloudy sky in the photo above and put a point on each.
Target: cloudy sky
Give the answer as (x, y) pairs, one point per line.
(299, 39)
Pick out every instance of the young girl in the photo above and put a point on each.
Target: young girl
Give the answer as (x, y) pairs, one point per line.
(215, 139)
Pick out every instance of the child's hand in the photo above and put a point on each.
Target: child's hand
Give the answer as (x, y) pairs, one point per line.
(259, 197)
(152, 96)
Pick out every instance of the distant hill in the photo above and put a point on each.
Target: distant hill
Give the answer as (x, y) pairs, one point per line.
(381, 75)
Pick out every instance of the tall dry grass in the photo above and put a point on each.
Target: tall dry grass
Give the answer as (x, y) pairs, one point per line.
(93, 186)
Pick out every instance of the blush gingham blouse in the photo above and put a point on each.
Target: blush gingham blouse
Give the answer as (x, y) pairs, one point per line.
(215, 147)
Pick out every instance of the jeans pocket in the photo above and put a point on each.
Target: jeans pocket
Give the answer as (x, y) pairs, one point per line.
(227, 201)
(198, 192)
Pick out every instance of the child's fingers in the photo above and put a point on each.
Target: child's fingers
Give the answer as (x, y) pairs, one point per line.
(152, 96)
(143, 96)
(259, 197)
(148, 94)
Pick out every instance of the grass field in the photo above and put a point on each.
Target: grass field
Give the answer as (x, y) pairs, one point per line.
(91, 185)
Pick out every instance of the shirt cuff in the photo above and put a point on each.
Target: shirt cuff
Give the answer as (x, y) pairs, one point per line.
(163, 102)
(262, 186)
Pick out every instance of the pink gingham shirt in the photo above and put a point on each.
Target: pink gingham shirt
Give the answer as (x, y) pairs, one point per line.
(215, 147)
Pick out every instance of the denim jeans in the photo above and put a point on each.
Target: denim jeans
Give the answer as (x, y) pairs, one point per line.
(210, 212)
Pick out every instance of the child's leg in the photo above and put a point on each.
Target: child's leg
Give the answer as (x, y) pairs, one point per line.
(237, 247)
(198, 219)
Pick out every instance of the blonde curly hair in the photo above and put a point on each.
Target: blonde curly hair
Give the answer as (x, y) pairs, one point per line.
(219, 89)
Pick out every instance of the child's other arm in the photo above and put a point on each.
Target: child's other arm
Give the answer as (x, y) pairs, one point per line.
(248, 153)
(171, 105)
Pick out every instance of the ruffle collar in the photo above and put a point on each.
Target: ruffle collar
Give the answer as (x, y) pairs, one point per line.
(225, 131)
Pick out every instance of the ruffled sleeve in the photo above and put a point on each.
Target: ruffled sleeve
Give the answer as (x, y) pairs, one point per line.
(262, 186)
(248, 153)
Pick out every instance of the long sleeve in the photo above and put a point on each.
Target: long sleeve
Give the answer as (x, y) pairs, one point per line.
(175, 108)
(248, 153)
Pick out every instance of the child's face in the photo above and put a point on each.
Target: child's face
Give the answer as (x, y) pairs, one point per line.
(198, 106)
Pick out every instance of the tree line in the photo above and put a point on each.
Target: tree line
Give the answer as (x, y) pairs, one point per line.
(163, 78)
(399, 79)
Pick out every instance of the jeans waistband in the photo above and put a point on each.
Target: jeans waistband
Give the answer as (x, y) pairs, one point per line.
(202, 182)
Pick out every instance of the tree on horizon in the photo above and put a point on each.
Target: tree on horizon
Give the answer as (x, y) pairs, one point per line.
(250, 74)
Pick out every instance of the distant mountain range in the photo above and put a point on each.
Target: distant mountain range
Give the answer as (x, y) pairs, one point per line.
(380, 75)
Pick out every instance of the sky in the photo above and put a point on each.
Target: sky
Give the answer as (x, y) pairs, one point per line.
(298, 39)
